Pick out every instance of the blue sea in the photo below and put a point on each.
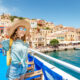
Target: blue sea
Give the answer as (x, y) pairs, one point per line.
(69, 56)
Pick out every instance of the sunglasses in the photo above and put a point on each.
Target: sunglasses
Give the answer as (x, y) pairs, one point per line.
(21, 28)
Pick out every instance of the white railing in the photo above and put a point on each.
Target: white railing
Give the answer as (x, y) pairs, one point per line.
(72, 67)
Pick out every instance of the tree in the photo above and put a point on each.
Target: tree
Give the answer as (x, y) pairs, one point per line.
(46, 28)
(21, 18)
(13, 17)
(54, 42)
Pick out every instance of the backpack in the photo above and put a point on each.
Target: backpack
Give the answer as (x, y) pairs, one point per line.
(9, 52)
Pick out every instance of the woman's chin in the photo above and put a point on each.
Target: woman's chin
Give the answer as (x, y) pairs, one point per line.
(22, 35)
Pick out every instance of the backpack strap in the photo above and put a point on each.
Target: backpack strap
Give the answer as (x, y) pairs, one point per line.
(10, 43)
(9, 53)
(24, 41)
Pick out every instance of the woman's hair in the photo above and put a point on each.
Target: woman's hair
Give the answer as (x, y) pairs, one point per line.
(15, 37)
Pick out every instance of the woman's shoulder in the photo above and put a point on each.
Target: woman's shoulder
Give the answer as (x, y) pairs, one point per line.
(26, 44)
(5, 44)
(5, 41)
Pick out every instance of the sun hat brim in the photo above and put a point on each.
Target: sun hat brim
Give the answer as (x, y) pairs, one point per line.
(18, 23)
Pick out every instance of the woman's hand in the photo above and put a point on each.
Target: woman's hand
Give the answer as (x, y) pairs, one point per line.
(0, 46)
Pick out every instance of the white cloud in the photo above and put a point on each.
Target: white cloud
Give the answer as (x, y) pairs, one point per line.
(14, 10)
(10, 10)
(3, 10)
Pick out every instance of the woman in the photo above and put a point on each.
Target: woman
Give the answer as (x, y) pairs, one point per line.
(18, 32)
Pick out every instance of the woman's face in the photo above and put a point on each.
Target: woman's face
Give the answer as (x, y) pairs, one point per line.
(21, 32)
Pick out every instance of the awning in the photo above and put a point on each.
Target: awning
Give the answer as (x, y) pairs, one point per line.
(68, 42)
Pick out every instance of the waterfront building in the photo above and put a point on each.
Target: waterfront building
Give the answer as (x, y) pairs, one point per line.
(46, 33)
(41, 23)
(58, 28)
(5, 16)
(4, 23)
(38, 40)
(50, 25)
(70, 29)
(78, 33)
(64, 35)
(33, 23)
(71, 34)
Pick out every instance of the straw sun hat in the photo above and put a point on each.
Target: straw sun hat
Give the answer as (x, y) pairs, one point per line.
(18, 23)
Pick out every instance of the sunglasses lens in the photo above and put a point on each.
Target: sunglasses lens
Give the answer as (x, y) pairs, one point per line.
(24, 29)
(21, 28)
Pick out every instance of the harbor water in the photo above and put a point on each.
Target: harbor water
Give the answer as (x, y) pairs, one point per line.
(69, 56)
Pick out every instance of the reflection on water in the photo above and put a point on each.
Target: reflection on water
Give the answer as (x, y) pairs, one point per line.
(54, 54)
(70, 56)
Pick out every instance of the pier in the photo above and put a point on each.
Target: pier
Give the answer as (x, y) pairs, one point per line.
(60, 48)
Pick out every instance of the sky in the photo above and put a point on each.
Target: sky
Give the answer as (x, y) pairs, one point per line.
(65, 12)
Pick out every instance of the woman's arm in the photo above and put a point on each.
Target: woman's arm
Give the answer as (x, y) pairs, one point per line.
(0, 45)
(3, 51)
(0, 42)
(4, 44)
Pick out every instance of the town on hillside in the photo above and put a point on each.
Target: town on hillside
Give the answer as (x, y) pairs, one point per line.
(42, 32)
